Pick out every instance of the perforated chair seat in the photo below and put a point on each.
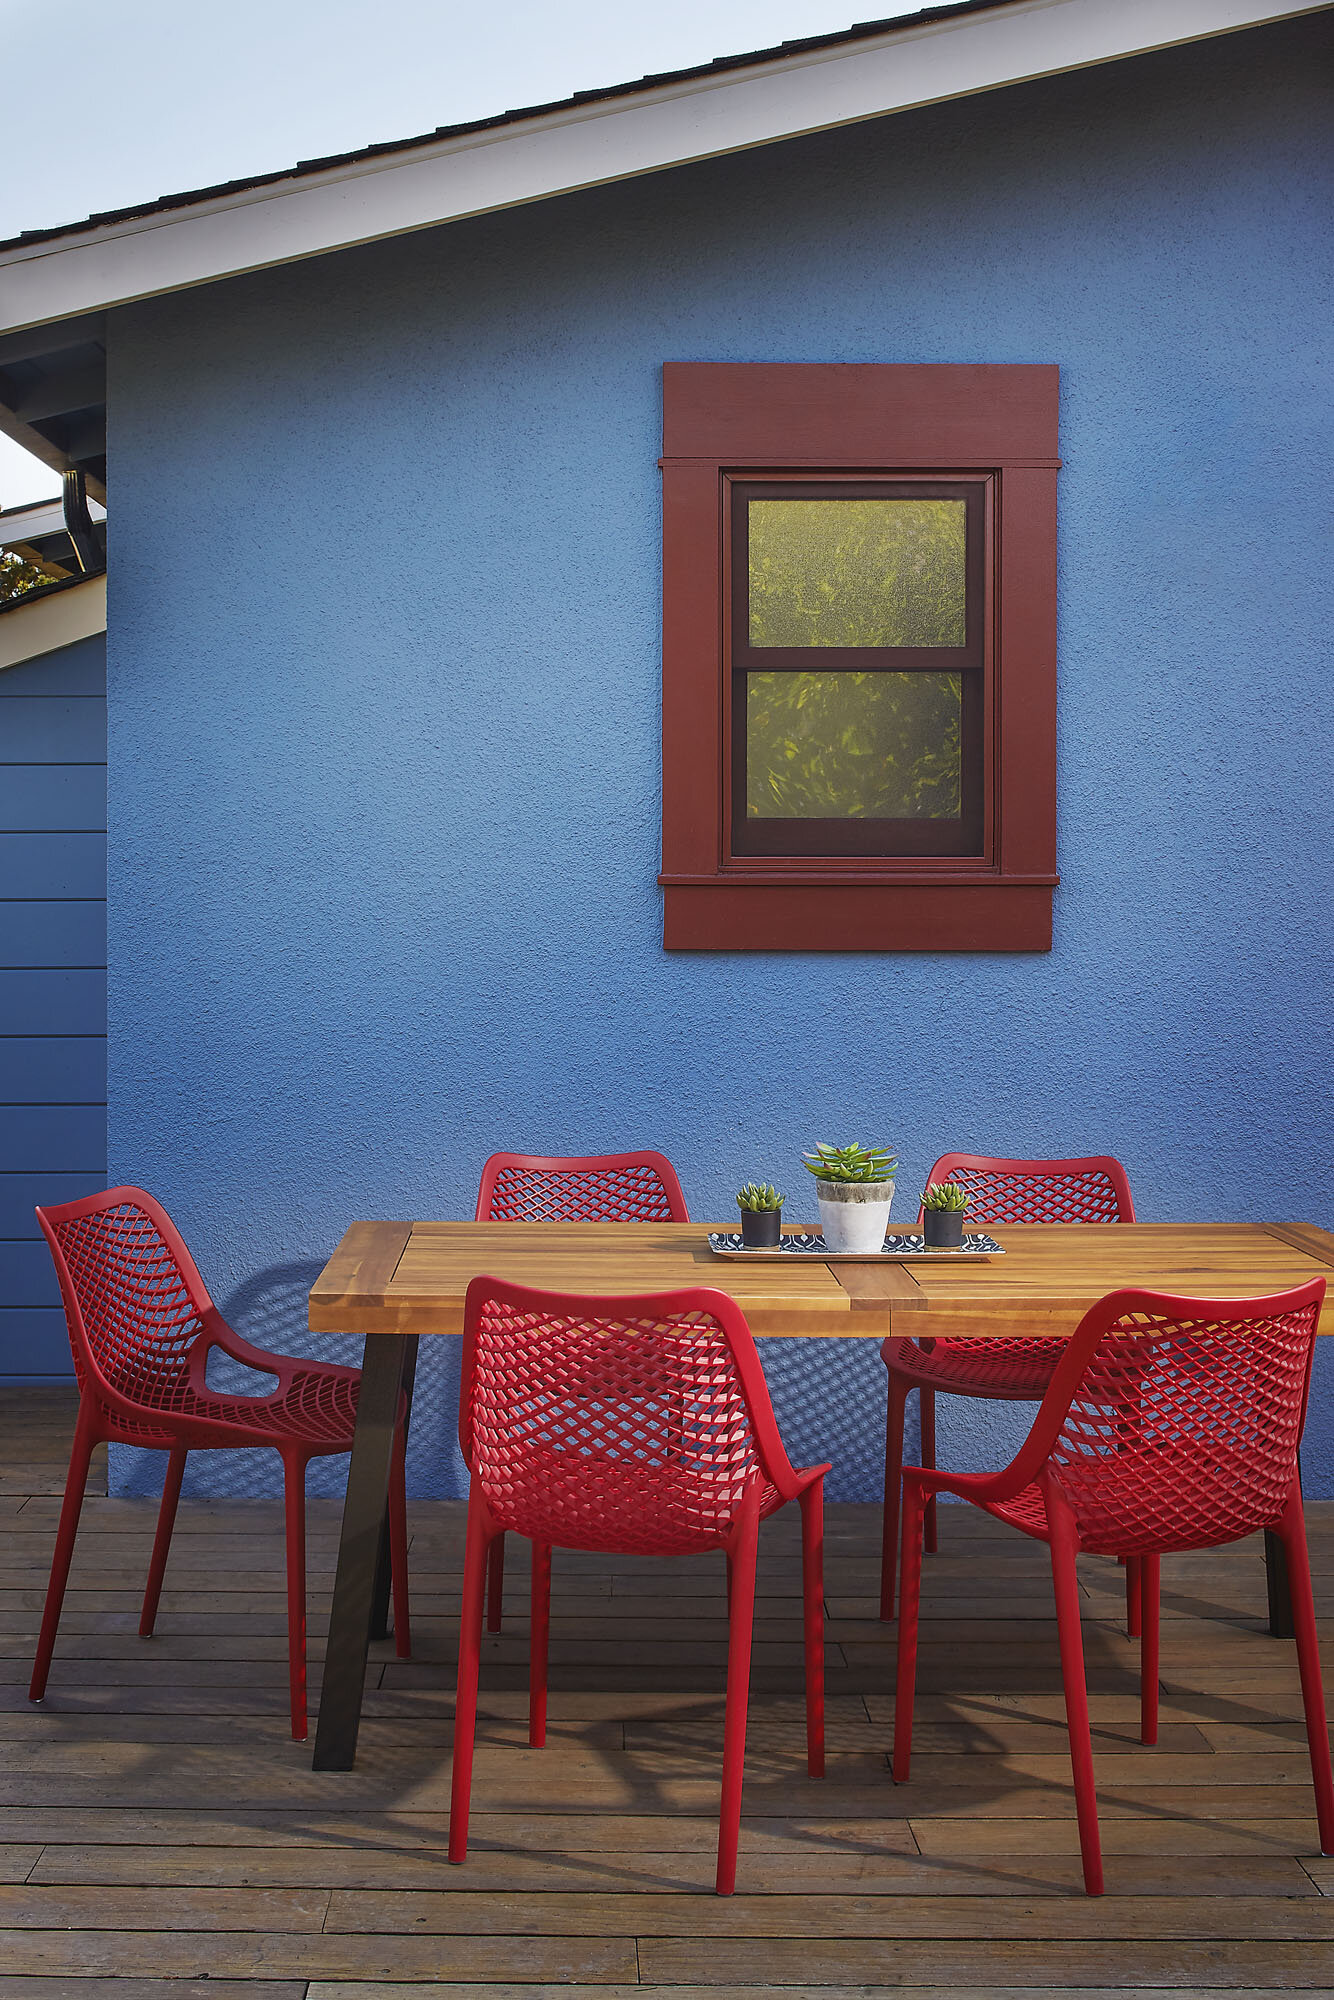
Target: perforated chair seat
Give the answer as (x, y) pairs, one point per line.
(315, 1407)
(1001, 1370)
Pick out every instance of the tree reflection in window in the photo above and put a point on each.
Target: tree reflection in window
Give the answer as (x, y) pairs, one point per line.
(857, 572)
(853, 746)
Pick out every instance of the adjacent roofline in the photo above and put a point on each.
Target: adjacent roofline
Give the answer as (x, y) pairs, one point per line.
(590, 141)
(45, 620)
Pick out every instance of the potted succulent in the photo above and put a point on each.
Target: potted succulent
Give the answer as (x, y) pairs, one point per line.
(943, 1204)
(854, 1186)
(761, 1216)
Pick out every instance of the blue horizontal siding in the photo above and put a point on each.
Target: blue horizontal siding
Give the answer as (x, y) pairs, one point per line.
(27, 1275)
(80, 669)
(44, 729)
(53, 1003)
(52, 865)
(52, 1069)
(60, 797)
(21, 1193)
(33, 1341)
(55, 1138)
(39, 934)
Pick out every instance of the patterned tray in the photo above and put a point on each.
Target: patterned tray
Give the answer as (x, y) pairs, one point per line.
(898, 1248)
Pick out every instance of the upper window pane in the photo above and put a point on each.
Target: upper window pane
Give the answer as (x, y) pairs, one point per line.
(858, 572)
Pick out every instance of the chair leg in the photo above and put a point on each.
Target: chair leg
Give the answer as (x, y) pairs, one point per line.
(926, 1400)
(1076, 1695)
(166, 1520)
(889, 1542)
(1292, 1530)
(1149, 1596)
(86, 1438)
(741, 1623)
(294, 1493)
(910, 1593)
(495, 1584)
(1134, 1596)
(539, 1645)
(479, 1540)
(812, 1597)
(398, 1545)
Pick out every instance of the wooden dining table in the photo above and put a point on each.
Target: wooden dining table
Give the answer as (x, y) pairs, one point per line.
(393, 1282)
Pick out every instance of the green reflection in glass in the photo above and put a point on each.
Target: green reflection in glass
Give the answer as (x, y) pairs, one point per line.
(857, 572)
(853, 746)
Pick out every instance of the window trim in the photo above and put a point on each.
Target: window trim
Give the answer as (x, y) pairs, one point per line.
(727, 421)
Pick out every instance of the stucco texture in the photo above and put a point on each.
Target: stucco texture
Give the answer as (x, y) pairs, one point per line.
(384, 702)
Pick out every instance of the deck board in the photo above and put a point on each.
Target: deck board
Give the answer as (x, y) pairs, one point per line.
(161, 1835)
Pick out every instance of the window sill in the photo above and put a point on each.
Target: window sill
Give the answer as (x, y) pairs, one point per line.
(855, 911)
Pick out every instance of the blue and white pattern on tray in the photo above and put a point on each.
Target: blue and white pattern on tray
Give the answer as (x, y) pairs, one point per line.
(810, 1243)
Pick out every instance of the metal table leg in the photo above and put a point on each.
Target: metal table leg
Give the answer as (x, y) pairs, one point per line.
(383, 1565)
(364, 1517)
(1276, 1576)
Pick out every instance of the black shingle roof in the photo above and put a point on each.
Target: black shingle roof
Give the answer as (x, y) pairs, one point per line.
(863, 31)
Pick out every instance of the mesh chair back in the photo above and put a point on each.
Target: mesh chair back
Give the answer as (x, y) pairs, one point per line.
(1184, 1425)
(607, 1187)
(1000, 1191)
(133, 1298)
(637, 1425)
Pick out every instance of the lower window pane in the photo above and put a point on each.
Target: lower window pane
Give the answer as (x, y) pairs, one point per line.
(853, 746)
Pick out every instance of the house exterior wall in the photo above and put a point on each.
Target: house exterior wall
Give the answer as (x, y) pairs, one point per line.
(52, 980)
(384, 700)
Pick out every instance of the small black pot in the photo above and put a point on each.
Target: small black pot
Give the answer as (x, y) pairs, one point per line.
(761, 1228)
(942, 1228)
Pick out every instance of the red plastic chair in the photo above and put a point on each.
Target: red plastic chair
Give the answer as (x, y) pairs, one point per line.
(637, 1426)
(142, 1327)
(1170, 1424)
(1004, 1370)
(594, 1187)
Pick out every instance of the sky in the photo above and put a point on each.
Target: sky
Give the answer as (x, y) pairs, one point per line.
(149, 97)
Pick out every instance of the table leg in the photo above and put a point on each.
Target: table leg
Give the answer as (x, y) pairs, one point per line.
(1276, 1577)
(383, 1565)
(364, 1515)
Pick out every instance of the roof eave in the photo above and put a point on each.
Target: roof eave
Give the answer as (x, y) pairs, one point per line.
(590, 144)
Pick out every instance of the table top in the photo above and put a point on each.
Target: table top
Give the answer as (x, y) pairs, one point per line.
(410, 1277)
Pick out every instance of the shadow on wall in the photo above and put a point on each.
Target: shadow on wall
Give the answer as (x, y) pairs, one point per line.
(270, 1310)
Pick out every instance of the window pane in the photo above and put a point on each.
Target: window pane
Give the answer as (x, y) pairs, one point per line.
(857, 572)
(853, 746)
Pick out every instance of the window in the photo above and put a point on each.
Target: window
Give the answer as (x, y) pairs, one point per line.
(858, 657)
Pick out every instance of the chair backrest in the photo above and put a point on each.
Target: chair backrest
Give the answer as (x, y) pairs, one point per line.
(1091, 1190)
(133, 1299)
(635, 1424)
(602, 1187)
(1174, 1423)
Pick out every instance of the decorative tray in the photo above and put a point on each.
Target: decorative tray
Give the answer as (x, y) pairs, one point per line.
(900, 1247)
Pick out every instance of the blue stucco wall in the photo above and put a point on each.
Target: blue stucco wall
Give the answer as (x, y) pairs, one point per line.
(52, 981)
(384, 697)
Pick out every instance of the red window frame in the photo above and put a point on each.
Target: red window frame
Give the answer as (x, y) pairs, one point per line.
(763, 424)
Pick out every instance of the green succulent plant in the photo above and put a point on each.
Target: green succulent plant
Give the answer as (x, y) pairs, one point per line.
(945, 1195)
(850, 1163)
(758, 1200)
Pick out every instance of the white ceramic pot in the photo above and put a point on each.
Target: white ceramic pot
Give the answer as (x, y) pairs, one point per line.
(854, 1215)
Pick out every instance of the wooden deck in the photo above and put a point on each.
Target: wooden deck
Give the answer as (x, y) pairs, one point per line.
(161, 1835)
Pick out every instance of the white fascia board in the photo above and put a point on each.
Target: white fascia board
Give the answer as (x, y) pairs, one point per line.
(38, 624)
(37, 518)
(592, 145)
